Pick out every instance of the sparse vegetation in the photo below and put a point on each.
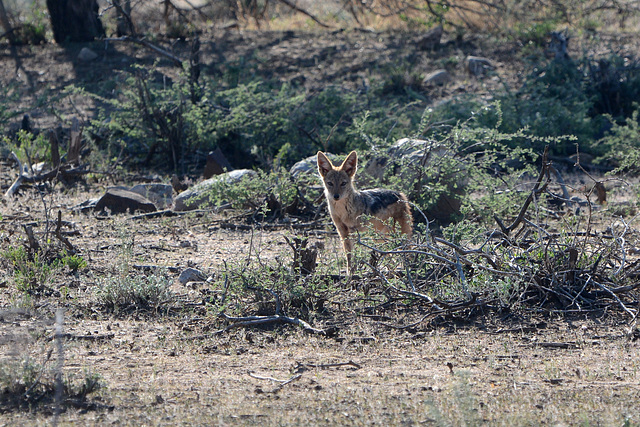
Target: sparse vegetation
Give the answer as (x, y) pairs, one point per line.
(522, 271)
(28, 385)
(31, 272)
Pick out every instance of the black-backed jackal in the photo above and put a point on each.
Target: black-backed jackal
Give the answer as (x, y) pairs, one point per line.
(347, 204)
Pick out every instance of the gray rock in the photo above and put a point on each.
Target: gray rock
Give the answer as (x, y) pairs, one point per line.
(196, 196)
(87, 55)
(310, 164)
(478, 66)
(160, 194)
(436, 78)
(191, 275)
(307, 165)
(119, 200)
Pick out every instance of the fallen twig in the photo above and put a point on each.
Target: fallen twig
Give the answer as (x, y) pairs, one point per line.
(244, 322)
(151, 46)
(63, 239)
(327, 365)
(281, 384)
(537, 189)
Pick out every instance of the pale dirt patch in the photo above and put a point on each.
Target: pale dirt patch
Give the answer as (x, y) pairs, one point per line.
(173, 370)
(160, 369)
(157, 375)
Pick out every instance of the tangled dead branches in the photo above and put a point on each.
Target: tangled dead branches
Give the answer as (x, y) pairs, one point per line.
(526, 264)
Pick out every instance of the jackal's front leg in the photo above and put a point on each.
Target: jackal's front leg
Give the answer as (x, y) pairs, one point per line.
(347, 246)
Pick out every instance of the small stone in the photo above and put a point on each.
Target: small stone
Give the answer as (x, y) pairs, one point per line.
(87, 55)
(120, 200)
(436, 78)
(191, 275)
(478, 65)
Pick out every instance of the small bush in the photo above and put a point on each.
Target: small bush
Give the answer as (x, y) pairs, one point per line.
(30, 148)
(31, 273)
(274, 193)
(128, 293)
(74, 262)
(26, 383)
(622, 144)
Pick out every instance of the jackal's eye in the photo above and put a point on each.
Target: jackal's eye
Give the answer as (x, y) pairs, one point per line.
(329, 184)
(343, 183)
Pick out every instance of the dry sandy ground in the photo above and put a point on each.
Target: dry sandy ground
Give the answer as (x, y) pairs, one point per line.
(565, 374)
(171, 369)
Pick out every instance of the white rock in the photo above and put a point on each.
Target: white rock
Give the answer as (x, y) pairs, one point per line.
(160, 194)
(436, 78)
(191, 275)
(87, 55)
(196, 196)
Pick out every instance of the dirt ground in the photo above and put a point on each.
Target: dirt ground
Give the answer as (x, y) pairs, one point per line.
(173, 370)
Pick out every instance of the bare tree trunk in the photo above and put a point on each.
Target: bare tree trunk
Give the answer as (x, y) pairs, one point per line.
(4, 21)
(124, 26)
(75, 20)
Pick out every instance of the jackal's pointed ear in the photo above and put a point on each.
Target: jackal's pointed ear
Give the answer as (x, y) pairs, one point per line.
(350, 164)
(324, 164)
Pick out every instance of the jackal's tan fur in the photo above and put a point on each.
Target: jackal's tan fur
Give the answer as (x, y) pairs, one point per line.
(347, 204)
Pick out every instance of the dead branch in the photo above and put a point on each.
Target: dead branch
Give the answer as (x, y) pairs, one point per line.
(463, 251)
(55, 152)
(442, 258)
(448, 310)
(63, 171)
(75, 142)
(33, 243)
(71, 249)
(148, 45)
(304, 12)
(37, 381)
(537, 189)
(158, 214)
(249, 321)
(436, 304)
(304, 259)
(244, 227)
(615, 297)
(304, 366)
(16, 184)
(281, 384)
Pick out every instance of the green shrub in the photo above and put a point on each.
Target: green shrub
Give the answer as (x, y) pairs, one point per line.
(26, 383)
(622, 144)
(74, 262)
(31, 272)
(255, 123)
(459, 161)
(274, 194)
(134, 292)
(552, 103)
(30, 148)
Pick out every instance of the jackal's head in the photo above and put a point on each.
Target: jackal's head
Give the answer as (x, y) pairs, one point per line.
(338, 181)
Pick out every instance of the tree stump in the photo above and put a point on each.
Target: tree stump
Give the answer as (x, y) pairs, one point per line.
(75, 20)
